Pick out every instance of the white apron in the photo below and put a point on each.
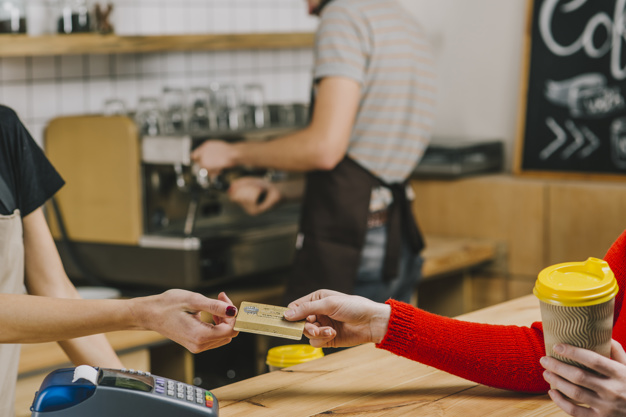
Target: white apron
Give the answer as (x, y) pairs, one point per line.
(11, 282)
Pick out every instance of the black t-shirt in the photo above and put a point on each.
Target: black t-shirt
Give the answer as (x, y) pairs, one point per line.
(29, 176)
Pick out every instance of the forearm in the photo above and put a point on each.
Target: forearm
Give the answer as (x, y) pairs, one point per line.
(45, 276)
(32, 319)
(499, 356)
(91, 350)
(305, 150)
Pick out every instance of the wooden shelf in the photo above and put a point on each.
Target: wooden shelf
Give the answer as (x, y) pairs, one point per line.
(23, 45)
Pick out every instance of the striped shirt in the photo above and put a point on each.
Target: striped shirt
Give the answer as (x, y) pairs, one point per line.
(378, 44)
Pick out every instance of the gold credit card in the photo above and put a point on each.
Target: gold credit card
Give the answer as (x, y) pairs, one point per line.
(268, 320)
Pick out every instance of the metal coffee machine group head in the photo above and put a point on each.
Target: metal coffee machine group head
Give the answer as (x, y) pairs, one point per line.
(135, 211)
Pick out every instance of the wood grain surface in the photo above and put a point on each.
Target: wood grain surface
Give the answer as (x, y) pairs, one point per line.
(365, 381)
(23, 45)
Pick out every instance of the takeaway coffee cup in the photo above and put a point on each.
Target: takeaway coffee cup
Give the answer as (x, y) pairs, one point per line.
(280, 357)
(577, 301)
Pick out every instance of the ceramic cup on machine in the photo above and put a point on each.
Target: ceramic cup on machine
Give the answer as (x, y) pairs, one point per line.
(577, 301)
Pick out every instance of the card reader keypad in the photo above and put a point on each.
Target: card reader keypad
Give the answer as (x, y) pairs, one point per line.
(179, 390)
(183, 392)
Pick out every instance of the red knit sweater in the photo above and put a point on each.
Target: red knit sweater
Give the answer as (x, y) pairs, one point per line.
(499, 356)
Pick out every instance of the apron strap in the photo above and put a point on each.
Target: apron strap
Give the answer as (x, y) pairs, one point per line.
(6, 196)
(400, 222)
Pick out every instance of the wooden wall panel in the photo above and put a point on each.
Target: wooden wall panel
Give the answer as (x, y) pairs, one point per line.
(584, 219)
(99, 159)
(541, 222)
(498, 207)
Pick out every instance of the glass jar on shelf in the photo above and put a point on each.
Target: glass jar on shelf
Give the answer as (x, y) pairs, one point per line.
(174, 111)
(256, 113)
(73, 17)
(115, 107)
(12, 16)
(148, 117)
(201, 117)
(229, 114)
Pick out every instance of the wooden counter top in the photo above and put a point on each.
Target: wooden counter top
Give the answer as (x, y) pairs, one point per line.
(444, 255)
(373, 382)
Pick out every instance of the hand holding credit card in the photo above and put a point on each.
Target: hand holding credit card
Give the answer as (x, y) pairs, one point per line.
(267, 320)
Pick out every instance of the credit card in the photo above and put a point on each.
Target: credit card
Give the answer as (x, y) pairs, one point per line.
(267, 320)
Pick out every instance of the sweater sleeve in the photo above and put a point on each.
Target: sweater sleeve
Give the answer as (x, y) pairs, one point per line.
(495, 355)
(499, 356)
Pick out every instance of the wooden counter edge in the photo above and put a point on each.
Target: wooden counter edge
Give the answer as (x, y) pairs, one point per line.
(41, 357)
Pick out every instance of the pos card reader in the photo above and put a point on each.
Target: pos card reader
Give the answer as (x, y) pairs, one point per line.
(99, 392)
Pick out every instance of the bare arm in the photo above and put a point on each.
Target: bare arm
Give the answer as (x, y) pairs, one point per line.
(322, 145)
(46, 276)
(55, 312)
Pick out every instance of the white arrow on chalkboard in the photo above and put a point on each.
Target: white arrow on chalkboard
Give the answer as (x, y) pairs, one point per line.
(593, 145)
(579, 140)
(561, 138)
(579, 135)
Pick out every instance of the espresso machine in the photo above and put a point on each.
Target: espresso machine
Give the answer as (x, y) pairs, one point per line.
(136, 212)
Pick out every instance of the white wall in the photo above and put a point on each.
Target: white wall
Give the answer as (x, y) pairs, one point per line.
(478, 48)
(41, 88)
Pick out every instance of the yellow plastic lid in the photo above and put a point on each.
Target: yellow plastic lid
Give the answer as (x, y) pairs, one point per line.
(288, 355)
(576, 284)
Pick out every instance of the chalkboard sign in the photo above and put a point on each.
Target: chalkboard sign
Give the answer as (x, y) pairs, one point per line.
(573, 110)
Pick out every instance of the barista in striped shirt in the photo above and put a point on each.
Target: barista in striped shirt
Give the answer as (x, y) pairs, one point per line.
(373, 112)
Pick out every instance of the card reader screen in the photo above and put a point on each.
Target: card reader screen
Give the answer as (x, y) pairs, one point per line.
(113, 378)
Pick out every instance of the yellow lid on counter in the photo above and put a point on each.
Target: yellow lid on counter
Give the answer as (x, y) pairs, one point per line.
(576, 284)
(289, 355)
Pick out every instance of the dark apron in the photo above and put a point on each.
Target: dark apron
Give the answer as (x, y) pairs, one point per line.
(333, 226)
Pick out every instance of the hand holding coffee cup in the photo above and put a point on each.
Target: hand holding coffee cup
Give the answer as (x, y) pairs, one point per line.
(577, 301)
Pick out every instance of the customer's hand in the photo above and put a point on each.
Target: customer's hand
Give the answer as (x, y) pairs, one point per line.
(339, 320)
(604, 393)
(214, 156)
(254, 195)
(176, 315)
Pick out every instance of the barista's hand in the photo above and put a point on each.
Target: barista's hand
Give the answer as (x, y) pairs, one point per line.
(214, 156)
(176, 315)
(604, 392)
(254, 195)
(339, 320)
